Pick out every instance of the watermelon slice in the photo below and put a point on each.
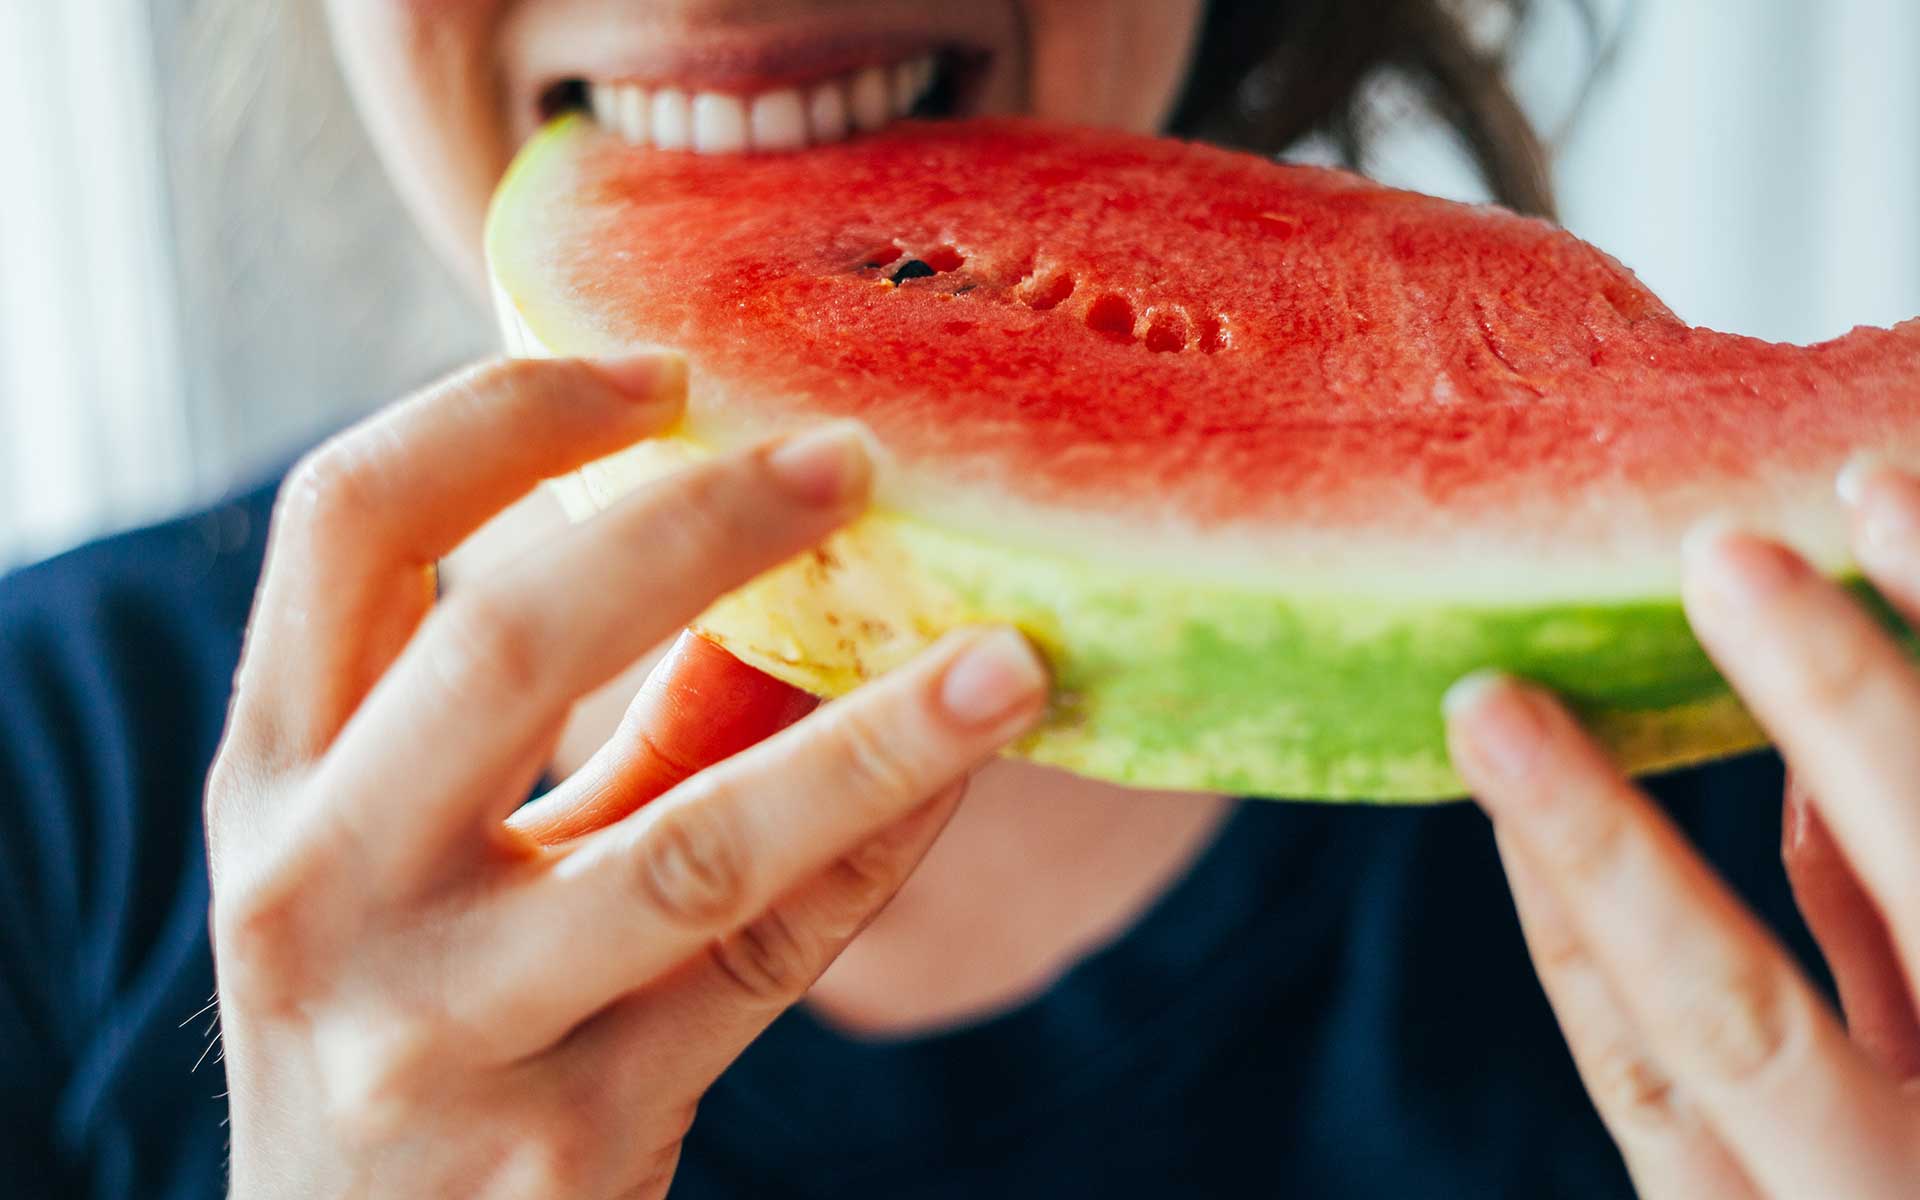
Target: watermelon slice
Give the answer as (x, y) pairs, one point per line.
(1263, 457)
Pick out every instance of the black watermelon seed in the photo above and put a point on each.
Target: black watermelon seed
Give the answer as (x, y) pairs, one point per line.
(913, 268)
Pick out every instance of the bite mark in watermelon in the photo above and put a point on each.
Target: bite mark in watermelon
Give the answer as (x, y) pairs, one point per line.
(1263, 457)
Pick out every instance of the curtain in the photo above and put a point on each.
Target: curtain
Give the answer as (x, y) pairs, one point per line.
(93, 432)
(202, 270)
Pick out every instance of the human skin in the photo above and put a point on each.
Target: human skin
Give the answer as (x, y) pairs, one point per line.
(403, 1012)
(423, 998)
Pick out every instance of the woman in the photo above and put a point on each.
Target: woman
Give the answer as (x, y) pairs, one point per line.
(1079, 990)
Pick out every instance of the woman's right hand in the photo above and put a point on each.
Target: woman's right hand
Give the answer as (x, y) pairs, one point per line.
(417, 1000)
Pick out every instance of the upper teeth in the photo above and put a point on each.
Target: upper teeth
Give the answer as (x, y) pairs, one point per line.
(785, 119)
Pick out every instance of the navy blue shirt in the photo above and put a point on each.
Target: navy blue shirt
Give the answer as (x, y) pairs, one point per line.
(1332, 1002)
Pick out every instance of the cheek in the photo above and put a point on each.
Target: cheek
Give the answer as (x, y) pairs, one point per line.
(424, 74)
(416, 42)
(1114, 63)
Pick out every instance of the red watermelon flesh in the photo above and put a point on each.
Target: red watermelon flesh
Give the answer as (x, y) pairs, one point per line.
(1167, 337)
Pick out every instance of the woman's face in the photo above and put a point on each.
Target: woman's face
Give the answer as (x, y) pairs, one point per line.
(450, 88)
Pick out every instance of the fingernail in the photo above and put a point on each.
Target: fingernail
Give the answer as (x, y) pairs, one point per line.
(1851, 484)
(1883, 501)
(649, 375)
(992, 678)
(1498, 720)
(823, 466)
(1735, 565)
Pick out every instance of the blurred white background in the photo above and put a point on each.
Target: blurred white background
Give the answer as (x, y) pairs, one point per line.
(201, 270)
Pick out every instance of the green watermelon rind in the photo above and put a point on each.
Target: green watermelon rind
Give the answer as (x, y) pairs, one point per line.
(1162, 683)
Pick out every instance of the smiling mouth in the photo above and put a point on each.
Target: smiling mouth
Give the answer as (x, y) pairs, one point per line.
(795, 114)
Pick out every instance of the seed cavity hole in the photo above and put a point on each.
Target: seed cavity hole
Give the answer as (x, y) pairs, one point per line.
(880, 256)
(1214, 336)
(945, 258)
(1049, 292)
(937, 261)
(1167, 330)
(1111, 316)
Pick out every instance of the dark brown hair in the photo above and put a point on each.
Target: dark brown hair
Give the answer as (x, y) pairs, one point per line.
(1268, 72)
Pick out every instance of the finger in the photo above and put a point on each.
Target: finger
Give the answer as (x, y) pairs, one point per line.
(1853, 937)
(1838, 695)
(1885, 506)
(1719, 1005)
(504, 659)
(713, 1007)
(700, 706)
(361, 521)
(633, 902)
(1669, 1148)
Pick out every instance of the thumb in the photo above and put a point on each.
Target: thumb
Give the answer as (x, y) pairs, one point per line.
(699, 706)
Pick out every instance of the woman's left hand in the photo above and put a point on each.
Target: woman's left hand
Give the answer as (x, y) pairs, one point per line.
(1717, 1067)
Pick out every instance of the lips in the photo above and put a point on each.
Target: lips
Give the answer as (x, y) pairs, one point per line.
(703, 77)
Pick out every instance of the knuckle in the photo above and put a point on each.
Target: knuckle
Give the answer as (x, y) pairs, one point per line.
(487, 647)
(376, 1073)
(507, 377)
(874, 761)
(381, 1062)
(1558, 952)
(235, 782)
(1631, 1090)
(693, 866)
(555, 1158)
(1835, 676)
(259, 945)
(1742, 1027)
(713, 514)
(860, 891)
(363, 1119)
(770, 960)
(868, 875)
(1587, 854)
(268, 890)
(334, 488)
(873, 869)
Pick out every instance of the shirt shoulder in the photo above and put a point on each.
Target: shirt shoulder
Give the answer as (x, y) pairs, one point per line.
(116, 660)
(206, 560)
